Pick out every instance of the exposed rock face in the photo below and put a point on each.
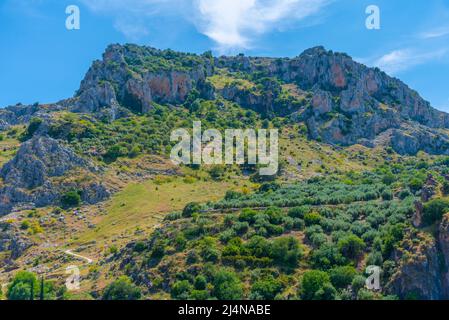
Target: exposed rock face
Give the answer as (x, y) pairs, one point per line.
(112, 81)
(345, 103)
(27, 177)
(443, 239)
(22, 114)
(37, 160)
(11, 240)
(353, 103)
(418, 274)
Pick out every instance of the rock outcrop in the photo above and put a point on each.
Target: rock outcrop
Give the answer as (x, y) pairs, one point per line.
(443, 239)
(28, 177)
(343, 102)
(37, 160)
(124, 78)
(12, 241)
(352, 103)
(418, 272)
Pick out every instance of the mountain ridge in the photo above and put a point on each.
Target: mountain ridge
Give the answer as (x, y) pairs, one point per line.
(341, 101)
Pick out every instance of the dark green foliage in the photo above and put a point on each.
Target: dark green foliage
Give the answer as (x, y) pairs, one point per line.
(122, 289)
(286, 252)
(24, 286)
(434, 210)
(316, 285)
(33, 126)
(71, 199)
(200, 283)
(312, 218)
(445, 187)
(298, 212)
(181, 290)
(190, 209)
(341, 277)
(227, 285)
(216, 172)
(351, 247)
(266, 289)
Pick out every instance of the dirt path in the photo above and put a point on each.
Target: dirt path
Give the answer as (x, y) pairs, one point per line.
(70, 253)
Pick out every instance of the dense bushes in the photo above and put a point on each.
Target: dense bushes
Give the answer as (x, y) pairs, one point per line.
(316, 285)
(434, 210)
(121, 289)
(71, 199)
(26, 286)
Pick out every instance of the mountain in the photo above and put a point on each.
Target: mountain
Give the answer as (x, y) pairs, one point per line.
(364, 180)
(341, 101)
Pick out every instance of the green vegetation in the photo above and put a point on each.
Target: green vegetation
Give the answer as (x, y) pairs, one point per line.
(71, 199)
(121, 289)
(26, 286)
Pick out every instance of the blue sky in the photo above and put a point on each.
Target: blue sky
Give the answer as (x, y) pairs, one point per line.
(42, 61)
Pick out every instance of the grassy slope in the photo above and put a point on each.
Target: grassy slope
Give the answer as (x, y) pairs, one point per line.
(8, 148)
(142, 206)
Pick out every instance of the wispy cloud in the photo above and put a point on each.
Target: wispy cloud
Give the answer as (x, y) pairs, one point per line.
(435, 33)
(235, 23)
(401, 60)
(231, 24)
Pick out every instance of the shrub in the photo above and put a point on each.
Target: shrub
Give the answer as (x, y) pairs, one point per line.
(135, 152)
(248, 215)
(358, 283)
(416, 184)
(444, 187)
(327, 257)
(115, 152)
(269, 186)
(316, 285)
(33, 126)
(351, 247)
(266, 289)
(71, 199)
(312, 218)
(232, 195)
(139, 247)
(122, 289)
(389, 178)
(227, 285)
(200, 283)
(286, 252)
(216, 172)
(298, 212)
(387, 195)
(190, 209)
(24, 286)
(341, 277)
(181, 290)
(434, 210)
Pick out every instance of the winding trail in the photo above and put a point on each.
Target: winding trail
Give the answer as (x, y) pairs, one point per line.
(70, 253)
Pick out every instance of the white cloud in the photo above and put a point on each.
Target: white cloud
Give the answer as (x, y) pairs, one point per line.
(404, 59)
(230, 23)
(235, 23)
(435, 33)
(131, 30)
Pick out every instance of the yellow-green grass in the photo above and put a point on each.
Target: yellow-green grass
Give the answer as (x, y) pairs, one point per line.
(319, 158)
(142, 206)
(8, 148)
(223, 80)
